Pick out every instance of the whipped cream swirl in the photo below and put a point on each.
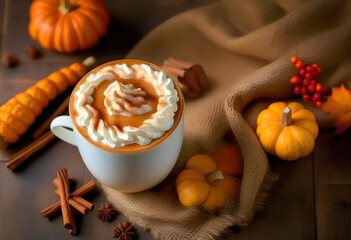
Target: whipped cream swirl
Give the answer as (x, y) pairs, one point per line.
(153, 127)
(125, 100)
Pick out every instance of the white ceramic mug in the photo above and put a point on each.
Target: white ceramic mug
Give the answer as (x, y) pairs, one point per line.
(127, 172)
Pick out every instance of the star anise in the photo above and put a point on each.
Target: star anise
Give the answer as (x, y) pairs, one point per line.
(124, 232)
(106, 212)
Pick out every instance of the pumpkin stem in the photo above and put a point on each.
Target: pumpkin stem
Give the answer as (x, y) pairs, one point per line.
(89, 61)
(285, 120)
(66, 6)
(213, 177)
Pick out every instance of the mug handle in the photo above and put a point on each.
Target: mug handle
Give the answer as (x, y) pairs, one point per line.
(59, 127)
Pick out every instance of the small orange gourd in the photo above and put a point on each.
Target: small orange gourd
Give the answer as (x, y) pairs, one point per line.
(202, 184)
(287, 130)
(230, 160)
(68, 26)
(20, 112)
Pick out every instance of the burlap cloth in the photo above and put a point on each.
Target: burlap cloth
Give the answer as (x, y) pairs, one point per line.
(245, 49)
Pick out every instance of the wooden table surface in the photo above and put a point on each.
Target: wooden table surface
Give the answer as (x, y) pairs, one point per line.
(311, 200)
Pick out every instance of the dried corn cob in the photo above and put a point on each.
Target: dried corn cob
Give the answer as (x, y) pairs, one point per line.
(20, 112)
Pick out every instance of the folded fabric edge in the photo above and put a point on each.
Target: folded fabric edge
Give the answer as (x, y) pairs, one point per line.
(260, 201)
(261, 198)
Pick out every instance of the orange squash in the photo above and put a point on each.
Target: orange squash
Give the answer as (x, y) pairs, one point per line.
(20, 112)
(202, 184)
(68, 26)
(287, 130)
(229, 160)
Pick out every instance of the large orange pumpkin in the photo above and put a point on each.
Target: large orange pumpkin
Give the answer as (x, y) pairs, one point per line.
(68, 26)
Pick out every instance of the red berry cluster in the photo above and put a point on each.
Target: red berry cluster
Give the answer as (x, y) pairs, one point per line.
(306, 84)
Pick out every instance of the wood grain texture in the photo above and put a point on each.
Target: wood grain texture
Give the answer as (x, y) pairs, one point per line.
(333, 211)
(2, 13)
(332, 161)
(332, 158)
(289, 212)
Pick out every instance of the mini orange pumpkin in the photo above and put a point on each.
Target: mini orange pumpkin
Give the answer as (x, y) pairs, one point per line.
(229, 160)
(68, 26)
(287, 130)
(201, 183)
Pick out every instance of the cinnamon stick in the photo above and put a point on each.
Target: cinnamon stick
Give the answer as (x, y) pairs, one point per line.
(68, 220)
(73, 231)
(199, 71)
(78, 193)
(82, 209)
(85, 189)
(82, 190)
(191, 79)
(179, 63)
(190, 76)
(201, 75)
(79, 203)
(51, 209)
(84, 203)
(46, 124)
(22, 155)
(55, 181)
(178, 72)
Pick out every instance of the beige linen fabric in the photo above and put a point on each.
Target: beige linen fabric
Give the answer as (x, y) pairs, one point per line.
(245, 49)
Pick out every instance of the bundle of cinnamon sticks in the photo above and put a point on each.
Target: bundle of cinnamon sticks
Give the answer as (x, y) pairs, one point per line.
(68, 200)
(190, 77)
